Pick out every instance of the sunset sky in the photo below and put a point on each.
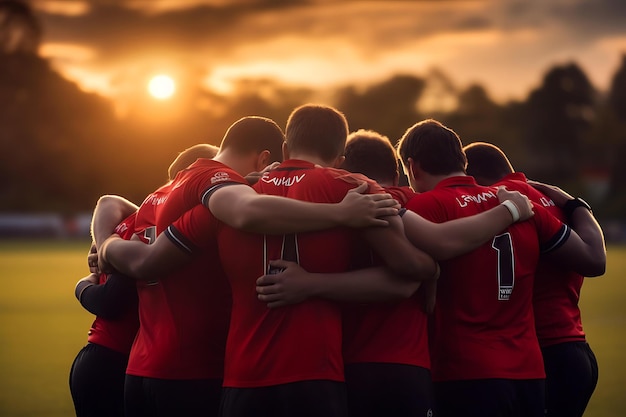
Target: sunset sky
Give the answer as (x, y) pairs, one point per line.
(114, 47)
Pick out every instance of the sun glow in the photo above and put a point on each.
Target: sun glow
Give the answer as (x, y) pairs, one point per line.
(161, 87)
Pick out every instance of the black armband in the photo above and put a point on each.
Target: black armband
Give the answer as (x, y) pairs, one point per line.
(111, 299)
(80, 288)
(573, 204)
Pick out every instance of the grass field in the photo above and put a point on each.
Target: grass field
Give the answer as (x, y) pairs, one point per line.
(42, 328)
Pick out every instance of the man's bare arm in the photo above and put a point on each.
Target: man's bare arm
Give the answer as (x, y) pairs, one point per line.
(294, 285)
(110, 210)
(139, 260)
(456, 237)
(398, 253)
(241, 207)
(584, 251)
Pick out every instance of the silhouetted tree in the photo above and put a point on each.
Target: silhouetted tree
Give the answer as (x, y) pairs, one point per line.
(558, 115)
(51, 131)
(52, 136)
(611, 127)
(617, 92)
(389, 107)
(475, 117)
(20, 31)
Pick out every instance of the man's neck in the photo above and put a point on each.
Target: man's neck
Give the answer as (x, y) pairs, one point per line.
(314, 159)
(235, 162)
(433, 180)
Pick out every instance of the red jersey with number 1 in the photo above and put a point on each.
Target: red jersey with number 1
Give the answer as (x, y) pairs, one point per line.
(557, 291)
(298, 342)
(117, 334)
(184, 316)
(483, 325)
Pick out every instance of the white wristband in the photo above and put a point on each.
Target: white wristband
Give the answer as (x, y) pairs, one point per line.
(512, 209)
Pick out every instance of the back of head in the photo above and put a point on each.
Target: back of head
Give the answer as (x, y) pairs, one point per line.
(371, 154)
(318, 130)
(486, 163)
(436, 148)
(254, 134)
(189, 156)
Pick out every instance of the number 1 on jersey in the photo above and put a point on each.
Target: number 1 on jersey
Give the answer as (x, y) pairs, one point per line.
(506, 265)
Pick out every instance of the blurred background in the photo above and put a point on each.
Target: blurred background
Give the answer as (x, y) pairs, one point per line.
(545, 81)
(98, 97)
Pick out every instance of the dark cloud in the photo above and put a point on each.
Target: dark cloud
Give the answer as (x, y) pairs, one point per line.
(115, 30)
(596, 17)
(584, 20)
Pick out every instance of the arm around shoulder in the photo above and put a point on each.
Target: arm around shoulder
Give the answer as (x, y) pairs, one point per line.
(110, 210)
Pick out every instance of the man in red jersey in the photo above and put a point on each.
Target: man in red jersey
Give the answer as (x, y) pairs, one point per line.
(570, 364)
(176, 362)
(288, 361)
(485, 356)
(174, 367)
(97, 373)
(385, 344)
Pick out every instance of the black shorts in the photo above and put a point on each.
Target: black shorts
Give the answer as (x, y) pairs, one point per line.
(490, 398)
(571, 378)
(388, 389)
(97, 382)
(302, 399)
(153, 397)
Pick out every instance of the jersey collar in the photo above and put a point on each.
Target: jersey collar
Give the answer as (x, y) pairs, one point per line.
(516, 176)
(457, 181)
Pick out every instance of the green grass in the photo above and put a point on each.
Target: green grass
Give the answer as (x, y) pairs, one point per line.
(42, 328)
(603, 306)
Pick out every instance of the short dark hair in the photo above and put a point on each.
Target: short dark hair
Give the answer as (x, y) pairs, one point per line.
(189, 156)
(317, 129)
(436, 148)
(255, 133)
(487, 163)
(371, 154)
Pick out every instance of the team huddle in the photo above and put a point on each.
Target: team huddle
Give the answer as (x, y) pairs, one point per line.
(288, 274)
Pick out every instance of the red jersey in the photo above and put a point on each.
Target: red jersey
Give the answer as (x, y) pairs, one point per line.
(117, 334)
(184, 315)
(377, 332)
(401, 194)
(298, 342)
(483, 324)
(557, 291)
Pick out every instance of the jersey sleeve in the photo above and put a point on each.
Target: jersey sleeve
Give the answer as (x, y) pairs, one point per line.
(552, 232)
(206, 195)
(190, 231)
(209, 182)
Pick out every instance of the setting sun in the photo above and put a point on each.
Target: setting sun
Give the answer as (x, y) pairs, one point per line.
(161, 87)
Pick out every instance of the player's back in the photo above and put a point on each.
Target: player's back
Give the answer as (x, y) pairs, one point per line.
(293, 343)
(483, 317)
(556, 290)
(185, 314)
